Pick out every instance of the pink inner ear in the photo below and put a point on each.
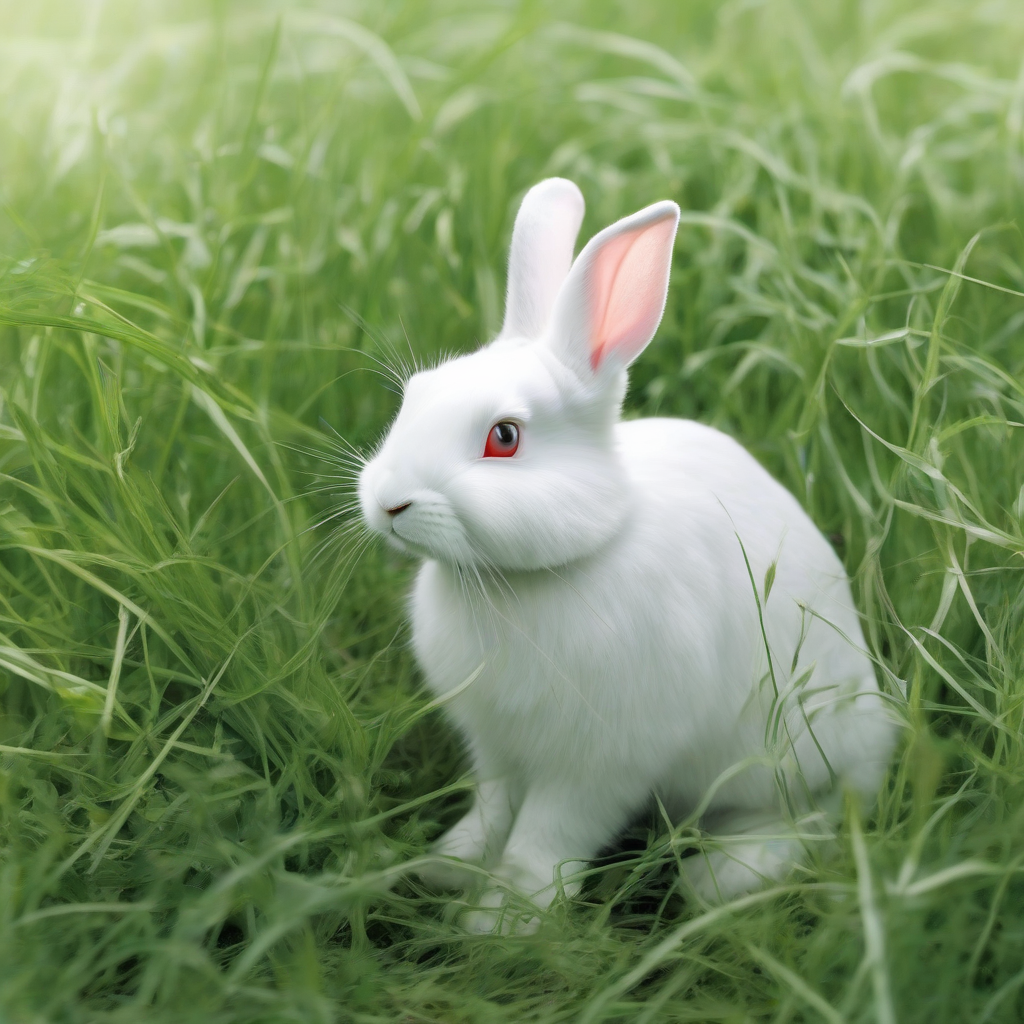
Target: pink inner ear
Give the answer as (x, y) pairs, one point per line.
(628, 281)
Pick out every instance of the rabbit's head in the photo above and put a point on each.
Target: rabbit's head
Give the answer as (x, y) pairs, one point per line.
(506, 457)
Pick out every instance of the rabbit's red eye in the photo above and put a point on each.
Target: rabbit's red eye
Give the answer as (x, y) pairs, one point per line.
(502, 441)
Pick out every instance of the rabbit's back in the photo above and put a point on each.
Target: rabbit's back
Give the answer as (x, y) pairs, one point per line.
(728, 527)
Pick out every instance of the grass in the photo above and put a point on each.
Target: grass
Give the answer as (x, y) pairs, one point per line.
(217, 220)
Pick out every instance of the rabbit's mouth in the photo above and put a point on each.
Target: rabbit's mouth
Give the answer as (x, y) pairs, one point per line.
(415, 520)
(407, 547)
(428, 527)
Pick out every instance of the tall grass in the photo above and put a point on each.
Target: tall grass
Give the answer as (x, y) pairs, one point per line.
(221, 223)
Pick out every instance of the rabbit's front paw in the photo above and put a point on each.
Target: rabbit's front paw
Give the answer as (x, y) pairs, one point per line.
(454, 855)
(513, 906)
(500, 913)
(760, 851)
(476, 839)
(448, 873)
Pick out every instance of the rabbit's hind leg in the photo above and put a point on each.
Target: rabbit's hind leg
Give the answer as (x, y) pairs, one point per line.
(747, 851)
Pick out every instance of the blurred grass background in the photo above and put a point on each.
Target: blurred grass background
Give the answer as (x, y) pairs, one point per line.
(216, 220)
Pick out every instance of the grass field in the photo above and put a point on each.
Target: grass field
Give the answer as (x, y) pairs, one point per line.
(217, 221)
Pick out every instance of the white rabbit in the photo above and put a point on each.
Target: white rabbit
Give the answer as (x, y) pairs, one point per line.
(603, 585)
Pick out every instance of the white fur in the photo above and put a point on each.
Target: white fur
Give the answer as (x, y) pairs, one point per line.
(599, 578)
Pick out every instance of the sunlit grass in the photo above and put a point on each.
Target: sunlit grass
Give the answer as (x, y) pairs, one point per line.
(220, 224)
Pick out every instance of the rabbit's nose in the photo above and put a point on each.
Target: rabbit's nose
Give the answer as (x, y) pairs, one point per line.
(397, 508)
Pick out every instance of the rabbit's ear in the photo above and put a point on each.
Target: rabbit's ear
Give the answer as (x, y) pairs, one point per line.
(611, 303)
(545, 231)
